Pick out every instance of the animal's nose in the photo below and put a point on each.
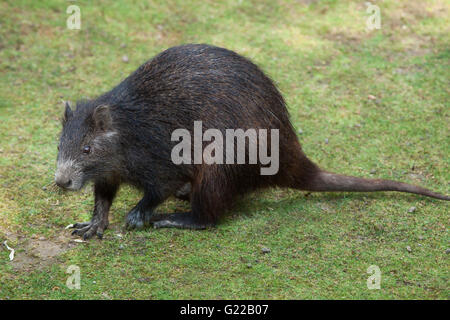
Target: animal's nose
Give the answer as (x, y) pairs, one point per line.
(63, 182)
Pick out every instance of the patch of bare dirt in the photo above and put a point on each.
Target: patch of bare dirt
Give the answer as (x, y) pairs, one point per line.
(36, 253)
(410, 12)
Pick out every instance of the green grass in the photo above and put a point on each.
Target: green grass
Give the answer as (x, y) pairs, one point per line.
(326, 65)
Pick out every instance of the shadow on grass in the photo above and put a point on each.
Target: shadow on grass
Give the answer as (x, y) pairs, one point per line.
(263, 200)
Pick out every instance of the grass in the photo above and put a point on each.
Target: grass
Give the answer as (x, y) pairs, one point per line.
(328, 67)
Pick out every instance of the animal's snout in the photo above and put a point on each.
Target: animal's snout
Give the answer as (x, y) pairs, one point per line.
(63, 182)
(68, 176)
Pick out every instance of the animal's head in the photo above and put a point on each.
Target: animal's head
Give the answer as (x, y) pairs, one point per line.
(88, 145)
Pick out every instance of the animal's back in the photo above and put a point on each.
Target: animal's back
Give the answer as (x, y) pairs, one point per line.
(207, 83)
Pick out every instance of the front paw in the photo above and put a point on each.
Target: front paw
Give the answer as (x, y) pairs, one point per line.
(86, 230)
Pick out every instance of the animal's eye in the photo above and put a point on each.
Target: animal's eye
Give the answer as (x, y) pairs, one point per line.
(87, 149)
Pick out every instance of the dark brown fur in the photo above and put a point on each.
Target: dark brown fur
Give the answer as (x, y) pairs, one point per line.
(129, 132)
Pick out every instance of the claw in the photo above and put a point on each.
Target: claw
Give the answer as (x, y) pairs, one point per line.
(87, 236)
(87, 229)
(80, 225)
(81, 231)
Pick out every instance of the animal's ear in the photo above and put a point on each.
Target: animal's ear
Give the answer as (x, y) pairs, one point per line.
(102, 118)
(68, 113)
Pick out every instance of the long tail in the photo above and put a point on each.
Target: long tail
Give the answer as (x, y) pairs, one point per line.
(326, 181)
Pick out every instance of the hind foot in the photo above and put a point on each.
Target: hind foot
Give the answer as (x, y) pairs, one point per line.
(88, 229)
(137, 219)
(178, 220)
